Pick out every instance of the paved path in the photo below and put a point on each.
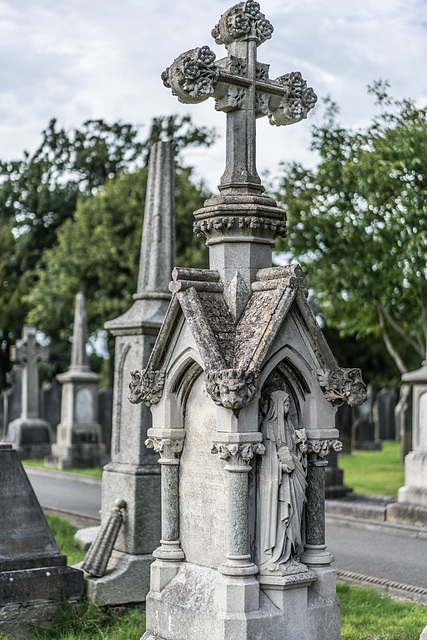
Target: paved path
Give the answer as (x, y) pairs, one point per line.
(66, 492)
(383, 552)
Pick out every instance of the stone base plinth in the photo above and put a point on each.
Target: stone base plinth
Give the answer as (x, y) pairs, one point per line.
(192, 607)
(35, 596)
(411, 515)
(127, 580)
(31, 438)
(79, 456)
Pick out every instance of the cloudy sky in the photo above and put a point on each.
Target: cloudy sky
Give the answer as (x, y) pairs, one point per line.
(82, 59)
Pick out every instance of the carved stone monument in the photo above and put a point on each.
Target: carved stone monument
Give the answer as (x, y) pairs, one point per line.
(34, 577)
(411, 507)
(133, 473)
(30, 434)
(242, 387)
(79, 433)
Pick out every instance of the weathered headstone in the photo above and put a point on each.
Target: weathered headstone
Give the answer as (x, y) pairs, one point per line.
(105, 414)
(34, 578)
(50, 403)
(242, 387)
(79, 443)
(29, 434)
(12, 397)
(403, 418)
(363, 428)
(411, 507)
(386, 405)
(133, 473)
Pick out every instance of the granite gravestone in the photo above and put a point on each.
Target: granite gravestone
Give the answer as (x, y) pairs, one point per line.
(386, 405)
(411, 508)
(34, 578)
(30, 434)
(79, 443)
(133, 474)
(242, 387)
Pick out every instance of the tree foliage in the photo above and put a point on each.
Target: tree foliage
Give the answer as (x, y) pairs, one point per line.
(98, 252)
(358, 224)
(39, 195)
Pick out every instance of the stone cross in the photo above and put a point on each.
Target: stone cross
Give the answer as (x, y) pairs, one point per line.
(241, 88)
(29, 354)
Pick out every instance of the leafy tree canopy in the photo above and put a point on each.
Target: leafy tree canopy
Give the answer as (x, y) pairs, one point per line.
(39, 195)
(358, 224)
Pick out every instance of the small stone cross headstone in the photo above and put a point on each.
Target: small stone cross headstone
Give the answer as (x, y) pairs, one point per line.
(29, 434)
(29, 354)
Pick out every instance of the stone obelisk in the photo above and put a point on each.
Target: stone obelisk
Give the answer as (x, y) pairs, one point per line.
(79, 433)
(133, 474)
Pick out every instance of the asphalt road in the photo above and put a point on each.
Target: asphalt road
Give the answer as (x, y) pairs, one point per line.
(58, 490)
(379, 551)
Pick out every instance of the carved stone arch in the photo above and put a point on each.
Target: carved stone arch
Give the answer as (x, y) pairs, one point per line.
(287, 370)
(184, 373)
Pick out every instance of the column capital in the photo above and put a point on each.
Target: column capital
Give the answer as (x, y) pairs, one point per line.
(167, 442)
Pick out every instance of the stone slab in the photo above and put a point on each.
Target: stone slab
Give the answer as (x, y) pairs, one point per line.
(127, 580)
(408, 514)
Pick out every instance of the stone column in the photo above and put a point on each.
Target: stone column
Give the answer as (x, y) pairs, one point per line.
(315, 553)
(238, 590)
(169, 443)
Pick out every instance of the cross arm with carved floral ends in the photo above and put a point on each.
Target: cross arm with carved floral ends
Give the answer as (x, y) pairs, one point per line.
(241, 87)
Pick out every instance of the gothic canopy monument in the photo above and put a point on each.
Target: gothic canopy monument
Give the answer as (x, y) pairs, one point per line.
(243, 390)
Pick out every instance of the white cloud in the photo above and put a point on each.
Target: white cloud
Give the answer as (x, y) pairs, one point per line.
(91, 59)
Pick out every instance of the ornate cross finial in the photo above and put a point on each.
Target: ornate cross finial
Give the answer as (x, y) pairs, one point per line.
(241, 87)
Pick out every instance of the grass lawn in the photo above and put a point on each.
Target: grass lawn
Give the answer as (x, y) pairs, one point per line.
(377, 472)
(39, 464)
(366, 614)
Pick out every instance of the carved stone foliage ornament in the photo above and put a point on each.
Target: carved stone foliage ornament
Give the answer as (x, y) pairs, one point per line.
(241, 22)
(192, 75)
(195, 75)
(169, 448)
(231, 388)
(146, 386)
(319, 449)
(343, 385)
(238, 454)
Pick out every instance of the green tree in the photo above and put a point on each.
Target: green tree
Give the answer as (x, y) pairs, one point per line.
(358, 224)
(98, 252)
(39, 193)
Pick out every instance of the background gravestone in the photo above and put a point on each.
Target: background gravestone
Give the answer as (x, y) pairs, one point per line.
(29, 434)
(363, 428)
(411, 507)
(34, 578)
(386, 405)
(79, 437)
(11, 397)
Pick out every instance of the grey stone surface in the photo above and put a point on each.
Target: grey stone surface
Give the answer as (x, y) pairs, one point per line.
(105, 415)
(29, 434)
(386, 405)
(85, 537)
(236, 338)
(412, 497)
(50, 404)
(34, 577)
(404, 420)
(12, 397)
(133, 473)
(423, 635)
(364, 434)
(79, 435)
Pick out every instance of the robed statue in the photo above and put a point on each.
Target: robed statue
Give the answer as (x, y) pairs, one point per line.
(281, 490)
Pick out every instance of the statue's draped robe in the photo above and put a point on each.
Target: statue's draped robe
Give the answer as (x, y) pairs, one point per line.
(281, 493)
